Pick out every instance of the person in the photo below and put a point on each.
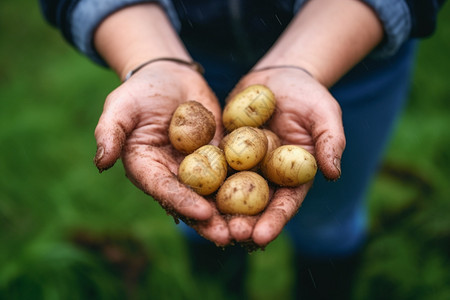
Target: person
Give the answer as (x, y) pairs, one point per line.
(340, 71)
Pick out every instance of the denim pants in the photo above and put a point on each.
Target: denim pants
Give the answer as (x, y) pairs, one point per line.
(332, 220)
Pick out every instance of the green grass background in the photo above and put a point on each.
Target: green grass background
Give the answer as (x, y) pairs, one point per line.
(67, 232)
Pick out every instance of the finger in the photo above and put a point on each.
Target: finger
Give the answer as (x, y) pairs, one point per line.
(115, 124)
(241, 228)
(329, 141)
(154, 171)
(214, 229)
(283, 206)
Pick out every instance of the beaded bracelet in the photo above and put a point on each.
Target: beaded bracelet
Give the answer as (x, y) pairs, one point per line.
(193, 64)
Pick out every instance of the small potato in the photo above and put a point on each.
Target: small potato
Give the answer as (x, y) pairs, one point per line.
(251, 107)
(191, 127)
(245, 147)
(204, 170)
(244, 193)
(289, 165)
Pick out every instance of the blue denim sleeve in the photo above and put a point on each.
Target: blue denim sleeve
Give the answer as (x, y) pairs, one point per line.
(57, 13)
(88, 14)
(396, 19)
(78, 19)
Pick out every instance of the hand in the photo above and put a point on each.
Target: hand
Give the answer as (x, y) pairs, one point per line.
(134, 126)
(306, 115)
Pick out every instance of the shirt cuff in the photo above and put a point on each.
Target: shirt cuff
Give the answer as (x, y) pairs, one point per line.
(88, 14)
(396, 19)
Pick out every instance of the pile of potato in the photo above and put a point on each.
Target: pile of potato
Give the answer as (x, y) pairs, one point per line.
(248, 155)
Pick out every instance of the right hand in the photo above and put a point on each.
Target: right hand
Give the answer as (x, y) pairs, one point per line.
(134, 126)
(306, 115)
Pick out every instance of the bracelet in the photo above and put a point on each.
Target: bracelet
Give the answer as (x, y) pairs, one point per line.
(283, 67)
(193, 64)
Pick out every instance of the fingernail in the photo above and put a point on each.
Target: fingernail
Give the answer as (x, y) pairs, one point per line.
(337, 164)
(99, 154)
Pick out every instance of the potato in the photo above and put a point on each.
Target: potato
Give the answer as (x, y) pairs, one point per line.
(244, 193)
(191, 127)
(245, 147)
(289, 165)
(251, 107)
(204, 170)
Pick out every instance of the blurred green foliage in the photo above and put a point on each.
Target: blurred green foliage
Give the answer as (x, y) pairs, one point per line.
(68, 233)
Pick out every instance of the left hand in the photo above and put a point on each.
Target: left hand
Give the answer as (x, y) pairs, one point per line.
(306, 115)
(134, 126)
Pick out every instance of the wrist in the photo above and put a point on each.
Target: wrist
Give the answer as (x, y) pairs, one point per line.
(134, 64)
(191, 64)
(327, 38)
(304, 65)
(274, 67)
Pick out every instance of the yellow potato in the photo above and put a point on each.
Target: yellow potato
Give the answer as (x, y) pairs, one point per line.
(251, 107)
(204, 170)
(245, 147)
(244, 193)
(191, 127)
(289, 165)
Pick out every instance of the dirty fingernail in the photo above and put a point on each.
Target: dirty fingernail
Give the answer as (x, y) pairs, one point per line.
(99, 154)
(337, 164)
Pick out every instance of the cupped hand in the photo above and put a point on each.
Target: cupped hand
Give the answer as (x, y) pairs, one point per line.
(134, 126)
(306, 115)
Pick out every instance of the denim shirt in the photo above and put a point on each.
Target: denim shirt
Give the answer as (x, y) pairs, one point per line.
(245, 20)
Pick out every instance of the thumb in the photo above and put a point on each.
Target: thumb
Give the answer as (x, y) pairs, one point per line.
(115, 124)
(330, 142)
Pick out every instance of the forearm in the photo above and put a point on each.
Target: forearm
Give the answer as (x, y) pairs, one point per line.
(327, 37)
(137, 34)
